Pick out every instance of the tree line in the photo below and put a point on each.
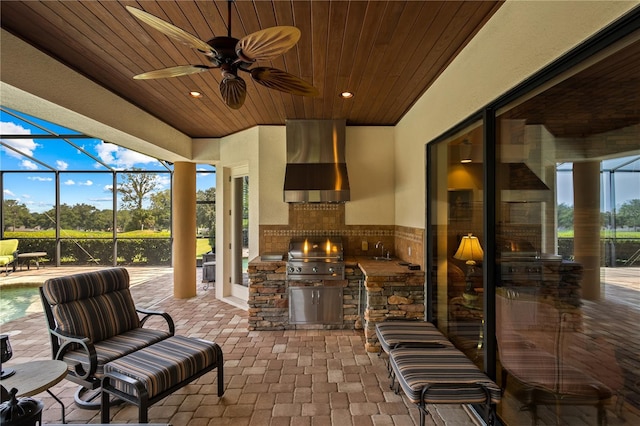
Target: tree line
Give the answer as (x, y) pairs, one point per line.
(627, 216)
(132, 215)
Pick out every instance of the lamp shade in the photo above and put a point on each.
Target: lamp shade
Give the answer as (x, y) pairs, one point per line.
(469, 249)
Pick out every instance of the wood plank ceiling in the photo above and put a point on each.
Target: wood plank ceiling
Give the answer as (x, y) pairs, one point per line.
(386, 52)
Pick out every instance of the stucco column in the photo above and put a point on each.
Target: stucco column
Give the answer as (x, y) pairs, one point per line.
(586, 225)
(184, 230)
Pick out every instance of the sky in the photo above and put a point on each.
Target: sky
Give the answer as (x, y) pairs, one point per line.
(36, 189)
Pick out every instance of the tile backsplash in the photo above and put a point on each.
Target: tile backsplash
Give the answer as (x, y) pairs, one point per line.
(327, 219)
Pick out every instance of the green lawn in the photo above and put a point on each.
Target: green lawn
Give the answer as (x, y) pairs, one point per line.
(604, 234)
(66, 233)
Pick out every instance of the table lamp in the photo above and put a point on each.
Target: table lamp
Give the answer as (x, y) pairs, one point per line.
(5, 355)
(471, 252)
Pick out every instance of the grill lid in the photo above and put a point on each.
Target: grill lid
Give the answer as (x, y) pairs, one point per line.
(320, 248)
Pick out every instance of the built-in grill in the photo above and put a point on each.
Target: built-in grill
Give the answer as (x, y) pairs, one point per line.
(315, 258)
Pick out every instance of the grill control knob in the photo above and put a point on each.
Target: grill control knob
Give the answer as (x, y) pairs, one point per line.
(314, 269)
(290, 269)
(331, 269)
(298, 269)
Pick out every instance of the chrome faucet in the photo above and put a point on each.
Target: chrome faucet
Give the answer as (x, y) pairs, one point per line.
(381, 247)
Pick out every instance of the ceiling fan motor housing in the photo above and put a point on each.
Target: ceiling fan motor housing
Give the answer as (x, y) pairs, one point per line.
(224, 48)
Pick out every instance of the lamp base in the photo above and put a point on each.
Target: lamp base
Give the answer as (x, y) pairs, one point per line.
(7, 372)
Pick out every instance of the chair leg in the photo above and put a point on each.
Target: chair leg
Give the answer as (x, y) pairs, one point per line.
(143, 412)
(104, 407)
(220, 371)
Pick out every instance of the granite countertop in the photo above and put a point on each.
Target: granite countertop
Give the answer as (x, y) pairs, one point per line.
(369, 266)
(372, 268)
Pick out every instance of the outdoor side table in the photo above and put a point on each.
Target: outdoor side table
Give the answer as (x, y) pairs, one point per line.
(32, 378)
(30, 257)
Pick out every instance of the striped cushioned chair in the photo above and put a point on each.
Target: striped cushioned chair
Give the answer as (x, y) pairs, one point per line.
(92, 320)
(441, 376)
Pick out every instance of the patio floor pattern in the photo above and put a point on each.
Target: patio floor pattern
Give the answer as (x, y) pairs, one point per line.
(272, 378)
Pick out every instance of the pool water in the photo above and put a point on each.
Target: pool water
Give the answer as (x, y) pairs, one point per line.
(16, 302)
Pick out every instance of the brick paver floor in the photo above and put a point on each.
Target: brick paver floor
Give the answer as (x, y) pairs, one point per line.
(292, 378)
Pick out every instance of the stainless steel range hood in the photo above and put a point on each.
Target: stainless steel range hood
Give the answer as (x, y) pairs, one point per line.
(316, 166)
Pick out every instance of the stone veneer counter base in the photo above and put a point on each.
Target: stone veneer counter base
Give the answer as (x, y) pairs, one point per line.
(374, 290)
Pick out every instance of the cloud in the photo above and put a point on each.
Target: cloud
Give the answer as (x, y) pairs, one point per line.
(68, 182)
(40, 178)
(163, 181)
(106, 152)
(129, 158)
(62, 165)
(26, 146)
(121, 158)
(9, 193)
(86, 183)
(29, 165)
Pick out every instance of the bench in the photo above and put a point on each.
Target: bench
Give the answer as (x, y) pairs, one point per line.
(392, 334)
(430, 370)
(96, 329)
(441, 376)
(148, 375)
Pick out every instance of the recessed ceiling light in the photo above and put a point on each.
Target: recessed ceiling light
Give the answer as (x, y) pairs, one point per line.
(195, 94)
(346, 95)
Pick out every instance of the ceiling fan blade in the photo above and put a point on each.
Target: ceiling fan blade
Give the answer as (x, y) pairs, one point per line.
(170, 30)
(233, 91)
(279, 80)
(267, 44)
(173, 72)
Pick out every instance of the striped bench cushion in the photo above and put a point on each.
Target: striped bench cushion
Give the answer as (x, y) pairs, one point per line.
(447, 374)
(115, 347)
(394, 333)
(165, 364)
(97, 305)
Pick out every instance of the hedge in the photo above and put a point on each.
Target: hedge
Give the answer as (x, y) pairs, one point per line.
(93, 251)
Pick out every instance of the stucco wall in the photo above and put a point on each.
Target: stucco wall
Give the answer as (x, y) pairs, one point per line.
(239, 154)
(520, 39)
(369, 152)
(273, 158)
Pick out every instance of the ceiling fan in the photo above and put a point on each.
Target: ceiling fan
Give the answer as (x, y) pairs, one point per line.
(231, 55)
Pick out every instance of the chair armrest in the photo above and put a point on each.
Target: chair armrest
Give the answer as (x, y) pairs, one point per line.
(141, 389)
(150, 314)
(70, 342)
